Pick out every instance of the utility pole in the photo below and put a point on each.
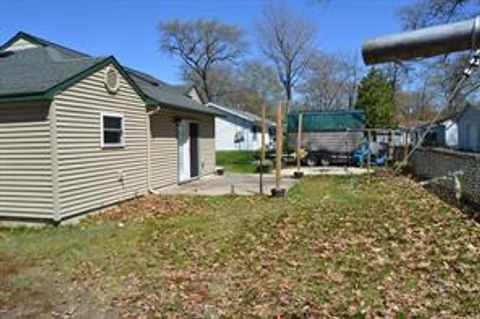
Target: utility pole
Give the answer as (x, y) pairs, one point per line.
(277, 191)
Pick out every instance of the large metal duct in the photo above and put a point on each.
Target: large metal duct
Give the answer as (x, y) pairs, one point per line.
(423, 43)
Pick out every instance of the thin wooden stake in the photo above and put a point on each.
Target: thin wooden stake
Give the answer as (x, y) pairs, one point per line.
(299, 139)
(279, 145)
(262, 151)
(369, 153)
(392, 145)
(406, 146)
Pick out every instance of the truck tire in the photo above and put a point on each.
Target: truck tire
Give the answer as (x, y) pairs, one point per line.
(311, 160)
(325, 160)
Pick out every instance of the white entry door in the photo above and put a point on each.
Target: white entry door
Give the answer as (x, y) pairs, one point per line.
(184, 151)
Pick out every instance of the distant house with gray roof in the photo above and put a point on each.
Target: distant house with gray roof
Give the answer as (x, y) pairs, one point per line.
(458, 128)
(79, 133)
(443, 133)
(239, 130)
(469, 128)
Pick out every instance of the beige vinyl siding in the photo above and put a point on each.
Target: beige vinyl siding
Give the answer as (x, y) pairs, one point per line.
(92, 177)
(163, 150)
(207, 145)
(164, 145)
(25, 169)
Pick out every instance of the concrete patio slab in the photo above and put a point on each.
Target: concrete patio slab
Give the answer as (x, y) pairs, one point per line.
(239, 184)
(248, 184)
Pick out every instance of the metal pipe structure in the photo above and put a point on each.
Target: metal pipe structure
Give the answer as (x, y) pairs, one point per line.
(423, 43)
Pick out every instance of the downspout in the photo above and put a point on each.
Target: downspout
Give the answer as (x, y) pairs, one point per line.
(148, 130)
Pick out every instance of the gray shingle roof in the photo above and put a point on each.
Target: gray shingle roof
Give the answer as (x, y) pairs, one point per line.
(166, 94)
(181, 89)
(39, 69)
(240, 113)
(66, 52)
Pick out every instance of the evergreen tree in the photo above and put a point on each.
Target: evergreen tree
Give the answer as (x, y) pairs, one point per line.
(376, 98)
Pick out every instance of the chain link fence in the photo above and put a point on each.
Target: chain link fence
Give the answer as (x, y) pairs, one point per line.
(432, 163)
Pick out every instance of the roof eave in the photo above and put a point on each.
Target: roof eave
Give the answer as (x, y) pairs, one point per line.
(184, 109)
(222, 109)
(27, 97)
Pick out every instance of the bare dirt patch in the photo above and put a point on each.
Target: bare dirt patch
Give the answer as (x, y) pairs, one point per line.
(17, 285)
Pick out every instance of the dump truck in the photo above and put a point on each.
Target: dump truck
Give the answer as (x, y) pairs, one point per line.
(327, 137)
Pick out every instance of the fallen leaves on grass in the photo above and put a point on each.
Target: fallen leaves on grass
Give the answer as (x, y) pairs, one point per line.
(145, 208)
(334, 248)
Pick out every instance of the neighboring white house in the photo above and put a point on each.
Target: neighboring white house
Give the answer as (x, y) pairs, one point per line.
(239, 130)
(469, 128)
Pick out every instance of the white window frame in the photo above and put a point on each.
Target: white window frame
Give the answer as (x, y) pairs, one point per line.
(102, 139)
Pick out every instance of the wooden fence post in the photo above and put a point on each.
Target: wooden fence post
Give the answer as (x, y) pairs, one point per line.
(279, 146)
(299, 139)
(392, 146)
(262, 154)
(406, 147)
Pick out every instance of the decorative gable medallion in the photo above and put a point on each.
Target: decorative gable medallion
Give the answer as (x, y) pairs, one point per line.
(112, 80)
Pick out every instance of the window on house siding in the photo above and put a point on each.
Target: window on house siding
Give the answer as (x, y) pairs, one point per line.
(255, 130)
(112, 130)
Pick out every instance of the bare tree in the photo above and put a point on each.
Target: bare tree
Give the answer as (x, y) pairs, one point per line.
(356, 71)
(261, 80)
(441, 74)
(330, 82)
(287, 40)
(202, 45)
(417, 105)
(424, 13)
(219, 82)
(249, 85)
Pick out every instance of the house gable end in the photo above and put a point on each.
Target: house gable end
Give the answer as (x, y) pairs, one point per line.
(17, 44)
(195, 95)
(110, 61)
(23, 40)
(92, 172)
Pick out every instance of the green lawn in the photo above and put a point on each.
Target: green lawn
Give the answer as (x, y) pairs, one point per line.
(237, 161)
(335, 247)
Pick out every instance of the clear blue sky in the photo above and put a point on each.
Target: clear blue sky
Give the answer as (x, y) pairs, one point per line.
(127, 29)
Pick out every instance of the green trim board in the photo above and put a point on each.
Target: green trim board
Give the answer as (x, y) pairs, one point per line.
(24, 97)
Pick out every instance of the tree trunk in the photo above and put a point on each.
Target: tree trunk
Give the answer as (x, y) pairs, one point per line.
(206, 88)
(288, 89)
